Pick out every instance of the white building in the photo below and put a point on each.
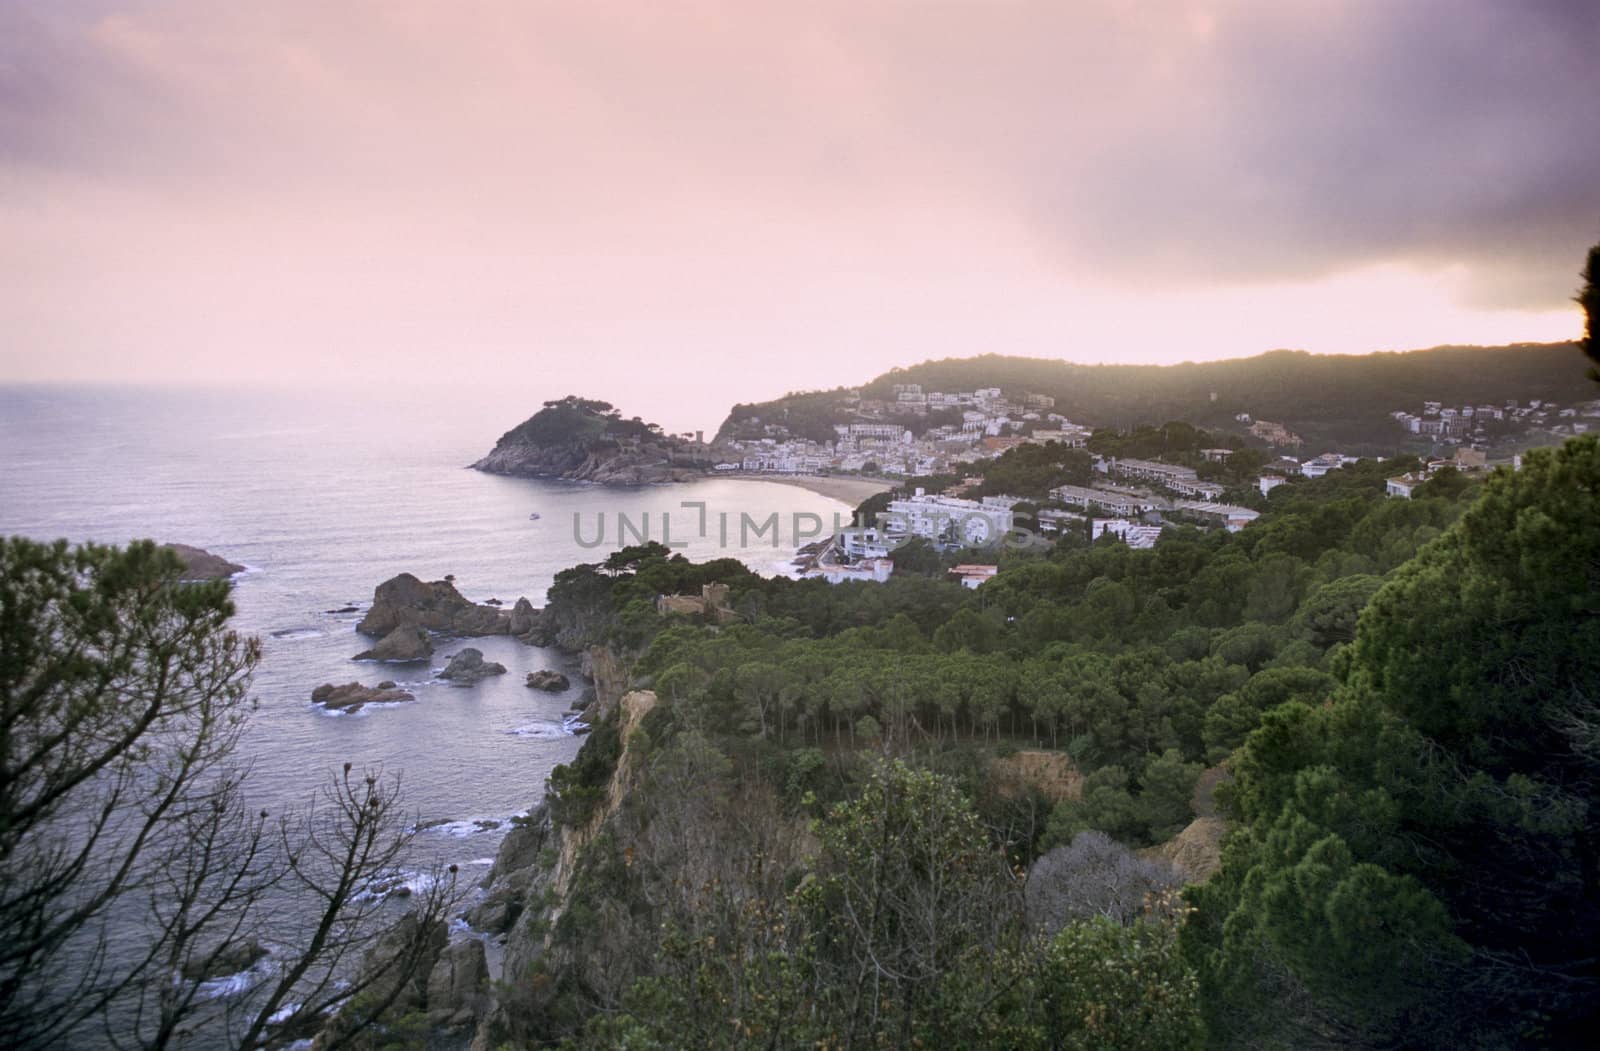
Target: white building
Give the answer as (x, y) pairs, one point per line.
(1136, 535)
(1231, 517)
(950, 521)
(1403, 486)
(876, 570)
(1119, 503)
(1321, 465)
(1172, 476)
(1053, 520)
(864, 542)
(974, 576)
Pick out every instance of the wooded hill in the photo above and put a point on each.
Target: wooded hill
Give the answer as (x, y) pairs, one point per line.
(1326, 398)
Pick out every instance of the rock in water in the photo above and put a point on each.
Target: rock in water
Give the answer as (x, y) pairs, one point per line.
(547, 680)
(352, 695)
(435, 606)
(223, 960)
(203, 565)
(468, 667)
(408, 642)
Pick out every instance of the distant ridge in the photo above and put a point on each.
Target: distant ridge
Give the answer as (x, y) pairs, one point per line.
(1327, 398)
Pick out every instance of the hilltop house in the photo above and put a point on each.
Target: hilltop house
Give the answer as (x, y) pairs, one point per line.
(1404, 485)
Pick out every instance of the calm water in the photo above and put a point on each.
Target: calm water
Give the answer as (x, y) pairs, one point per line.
(323, 497)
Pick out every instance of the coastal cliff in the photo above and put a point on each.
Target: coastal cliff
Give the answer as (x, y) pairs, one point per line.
(580, 440)
(529, 887)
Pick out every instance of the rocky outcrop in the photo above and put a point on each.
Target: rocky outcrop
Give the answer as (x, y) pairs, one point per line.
(352, 695)
(458, 986)
(601, 667)
(647, 463)
(224, 960)
(449, 985)
(547, 680)
(436, 606)
(1052, 775)
(529, 624)
(468, 667)
(202, 565)
(408, 642)
(524, 946)
(520, 871)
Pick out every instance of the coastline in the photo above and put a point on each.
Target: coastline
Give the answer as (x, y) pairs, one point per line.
(845, 489)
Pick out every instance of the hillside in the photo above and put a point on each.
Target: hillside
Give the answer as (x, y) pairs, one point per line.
(1327, 399)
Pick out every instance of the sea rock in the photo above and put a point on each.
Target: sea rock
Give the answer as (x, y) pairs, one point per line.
(436, 606)
(227, 959)
(352, 695)
(408, 642)
(202, 565)
(528, 624)
(547, 680)
(468, 667)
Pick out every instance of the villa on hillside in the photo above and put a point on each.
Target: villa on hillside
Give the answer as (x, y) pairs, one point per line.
(1404, 485)
(972, 575)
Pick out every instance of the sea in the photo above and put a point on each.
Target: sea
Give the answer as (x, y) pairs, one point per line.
(322, 495)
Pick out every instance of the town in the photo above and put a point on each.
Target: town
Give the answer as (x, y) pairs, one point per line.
(913, 435)
(1130, 499)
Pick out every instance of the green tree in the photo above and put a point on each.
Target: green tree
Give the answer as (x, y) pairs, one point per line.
(1104, 985)
(917, 556)
(1329, 613)
(1105, 805)
(1436, 827)
(909, 892)
(1166, 786)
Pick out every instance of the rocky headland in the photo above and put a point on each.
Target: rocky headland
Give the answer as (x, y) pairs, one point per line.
(202, 565)
(579, 440)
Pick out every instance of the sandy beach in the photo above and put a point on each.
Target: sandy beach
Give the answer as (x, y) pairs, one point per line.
(845, 489)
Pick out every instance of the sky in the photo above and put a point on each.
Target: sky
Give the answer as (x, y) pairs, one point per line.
(679, 206)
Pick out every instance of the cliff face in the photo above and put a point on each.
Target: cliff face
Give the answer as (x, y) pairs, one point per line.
(647, 463)
(529, 885)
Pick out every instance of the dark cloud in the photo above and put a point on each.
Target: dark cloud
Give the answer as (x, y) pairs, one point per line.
(1234, 141)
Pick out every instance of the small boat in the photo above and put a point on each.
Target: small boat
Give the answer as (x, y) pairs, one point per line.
(534, 517)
